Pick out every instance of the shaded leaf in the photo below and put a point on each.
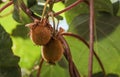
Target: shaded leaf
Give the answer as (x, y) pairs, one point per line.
(20, 31)
(10, 71)
(103, 5)
(21, 17)
(5, 40)
(82, 8)
(104, 25)
(18, 13)
(59, 17)
(116, 7)
(30, 3)
(6, 55)
(38, 9)
(100, 74)
(106, 38)
(8, 61)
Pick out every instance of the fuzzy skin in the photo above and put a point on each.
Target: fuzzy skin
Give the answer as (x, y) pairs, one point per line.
(52, 51)
(40, 34)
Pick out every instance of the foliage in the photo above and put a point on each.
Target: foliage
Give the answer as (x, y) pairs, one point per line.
(8, 61)
(107, 31)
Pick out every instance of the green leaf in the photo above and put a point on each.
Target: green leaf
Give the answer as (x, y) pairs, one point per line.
(38, 9)
(51, 71)
(20, 31)
(116, 7)
(105, 51)
(5, 50)
(107, 45)
(18, 13)
(82, 8)
(100, 74)
(119, 9)
(107, 31)
(106, 36)
(103, 5)
(79, 9)
(80, 55)
(63, 63)
(5, 40)
(20, 16)
(10, 71)
(104, 25)
(30, 3)
(8, 61)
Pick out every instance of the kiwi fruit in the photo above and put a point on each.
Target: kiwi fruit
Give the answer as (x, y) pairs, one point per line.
(52, 51)
(40, 32)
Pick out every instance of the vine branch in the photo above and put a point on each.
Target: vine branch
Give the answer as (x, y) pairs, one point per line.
(5, 6)
(40, 66)
(91, 36)
(69, 7)
(26, 10)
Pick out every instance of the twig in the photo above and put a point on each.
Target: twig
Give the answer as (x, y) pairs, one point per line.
(69, 7)
(5, 6)
(40, 66)
(44, 9)
(91, 36)
(54, 26)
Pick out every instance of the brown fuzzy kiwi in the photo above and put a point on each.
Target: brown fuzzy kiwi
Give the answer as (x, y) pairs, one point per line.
(52, 51)
(40, 32)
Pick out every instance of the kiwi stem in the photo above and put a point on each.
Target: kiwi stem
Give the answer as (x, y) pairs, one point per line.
(72, 68)
(68, 56)
(57, 24)
(40, 66)
(44, 9)
(5, 6)
(69, 7)
(81, 39)
(54, 27)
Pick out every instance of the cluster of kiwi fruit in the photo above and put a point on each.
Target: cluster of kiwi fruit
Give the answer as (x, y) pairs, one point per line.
(41, 33)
